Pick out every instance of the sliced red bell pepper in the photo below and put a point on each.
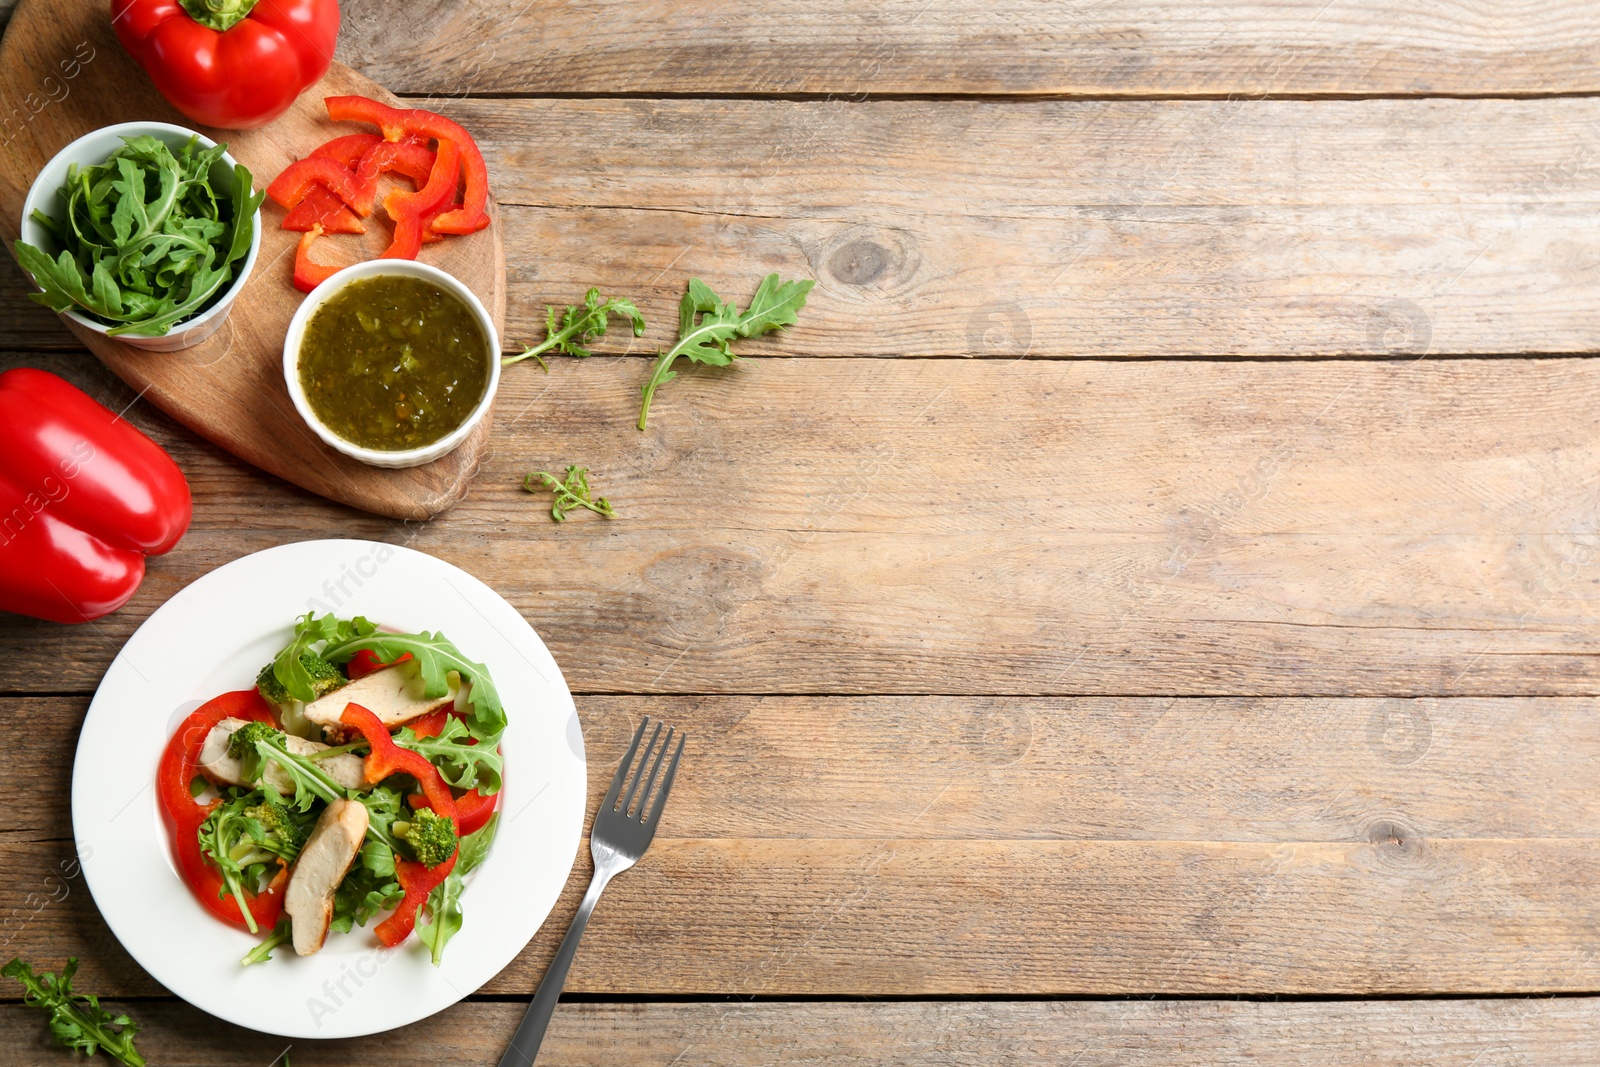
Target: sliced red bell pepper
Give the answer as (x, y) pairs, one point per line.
(409, 158)
(308, 274)
(84, 498)
(348, 150)
(385, 758)
(366, 661)
(418, 880)
(411, 211)
(178, 767)
(397, 123)
(430, 725)
(472, 809)
(321, 207)
(301, 176)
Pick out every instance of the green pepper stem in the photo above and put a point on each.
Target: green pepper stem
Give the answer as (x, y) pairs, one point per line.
(219, 15)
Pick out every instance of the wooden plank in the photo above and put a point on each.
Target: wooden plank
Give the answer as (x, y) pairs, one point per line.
(1130, 47)
(1208, 1033)
(1277, 228)
(834, 847)
(1062, 229)
(1037, 527)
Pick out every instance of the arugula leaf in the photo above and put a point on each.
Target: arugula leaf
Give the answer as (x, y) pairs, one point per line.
(436, 656)
(568, 333)
(77, 1020)
(707, 326)
(144, 241)
(442, 911)
(463, 760)
(310, 630)
(281, 933)
(572, 493)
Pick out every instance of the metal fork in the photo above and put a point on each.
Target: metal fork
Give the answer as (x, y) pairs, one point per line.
(621, 833)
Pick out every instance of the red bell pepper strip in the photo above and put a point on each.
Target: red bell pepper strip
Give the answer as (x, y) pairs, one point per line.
(308, 274)
(472, 809)
(418, 880)
(385, 758)
(348, 150)
(430, 725)
(366, 661)
(409, 158)
(411, 211)
(322, 208)
(236, 65)
(84, 498)
(301, 176)
(179, 764)
(397, 123)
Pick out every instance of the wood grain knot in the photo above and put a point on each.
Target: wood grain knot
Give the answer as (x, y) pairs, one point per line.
(703, 588)
(881, 260)
(1395, 844)
(997, 734)
(859, 262)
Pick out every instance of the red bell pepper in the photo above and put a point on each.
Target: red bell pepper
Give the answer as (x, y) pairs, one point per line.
(178, 767)
(300, 177)
(308, 273)
(322, 208)
(417, 880)
(84, 498)
(411, 211)
(237, 64)
(398, 123)
(472, 808)
(384, 758)
(366, 661)
(348, 150)
(408, 158)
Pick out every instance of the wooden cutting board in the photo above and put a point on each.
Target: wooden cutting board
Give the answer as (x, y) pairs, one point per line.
(62, 74)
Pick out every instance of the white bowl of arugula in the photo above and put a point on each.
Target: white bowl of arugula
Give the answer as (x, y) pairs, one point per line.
(142, 231)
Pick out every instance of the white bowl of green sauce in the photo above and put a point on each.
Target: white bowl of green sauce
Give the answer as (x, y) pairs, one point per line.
(392, 362)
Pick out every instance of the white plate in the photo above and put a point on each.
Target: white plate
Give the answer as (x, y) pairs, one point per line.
(213, 637)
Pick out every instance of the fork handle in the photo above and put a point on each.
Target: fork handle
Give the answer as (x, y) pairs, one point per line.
(530, 1033)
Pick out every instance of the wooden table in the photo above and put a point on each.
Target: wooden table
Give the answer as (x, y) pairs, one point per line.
(1144, 613)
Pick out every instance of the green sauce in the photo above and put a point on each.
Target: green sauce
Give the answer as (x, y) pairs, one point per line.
(393, 362)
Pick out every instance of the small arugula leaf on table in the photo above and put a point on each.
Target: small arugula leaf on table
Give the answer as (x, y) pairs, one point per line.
(572, 493)
(77, 1020)
(569, 332)
(707, 326)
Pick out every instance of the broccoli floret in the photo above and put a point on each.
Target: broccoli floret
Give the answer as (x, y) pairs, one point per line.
(275, 819)
(243, 740)
(325, 678)
(432, 837)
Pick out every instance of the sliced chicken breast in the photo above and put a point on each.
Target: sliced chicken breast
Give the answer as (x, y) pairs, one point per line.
(222, 768)
(393, 694)
(332, 848)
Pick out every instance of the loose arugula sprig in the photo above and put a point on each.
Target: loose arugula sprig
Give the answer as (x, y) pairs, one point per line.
(580, 323)
(77, 1020)
(572, 493)
(706, 339)
(144, 241)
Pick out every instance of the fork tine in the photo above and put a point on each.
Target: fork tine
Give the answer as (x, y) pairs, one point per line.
(622, 770)
(655, 769)
(633, 787)
(666, 785)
